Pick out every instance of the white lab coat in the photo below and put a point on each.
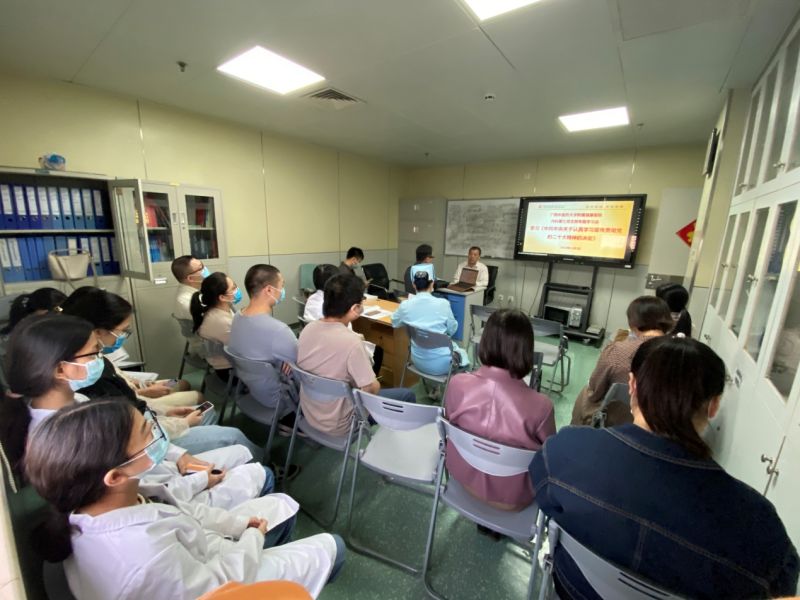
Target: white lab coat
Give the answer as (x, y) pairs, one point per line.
(181, 551)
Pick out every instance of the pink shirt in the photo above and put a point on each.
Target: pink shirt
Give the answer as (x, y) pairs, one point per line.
(490, 403)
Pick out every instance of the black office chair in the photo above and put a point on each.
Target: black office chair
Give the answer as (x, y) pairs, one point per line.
(488, 293)
(378, 281)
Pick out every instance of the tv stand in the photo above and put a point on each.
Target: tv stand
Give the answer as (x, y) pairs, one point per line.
(586, 293)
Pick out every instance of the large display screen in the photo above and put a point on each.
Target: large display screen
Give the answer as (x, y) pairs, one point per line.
(596, 230)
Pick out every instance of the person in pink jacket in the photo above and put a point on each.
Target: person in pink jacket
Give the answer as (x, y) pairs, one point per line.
(494, 402)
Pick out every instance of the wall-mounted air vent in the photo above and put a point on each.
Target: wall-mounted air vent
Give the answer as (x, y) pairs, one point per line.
(333, 98)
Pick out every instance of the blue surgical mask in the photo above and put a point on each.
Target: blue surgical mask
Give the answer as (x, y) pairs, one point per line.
(94, 369)
(237, 296)
(156, 451)
(117, 343)
(282, 297)
(205, 272)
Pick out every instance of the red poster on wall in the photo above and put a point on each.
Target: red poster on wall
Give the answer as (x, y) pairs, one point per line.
(686, 233)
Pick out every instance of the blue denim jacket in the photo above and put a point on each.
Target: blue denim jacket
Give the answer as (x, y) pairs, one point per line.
(644, 503)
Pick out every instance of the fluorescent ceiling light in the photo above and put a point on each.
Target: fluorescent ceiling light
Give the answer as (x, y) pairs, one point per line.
(268, 70)
(598, 119)
(486, 9)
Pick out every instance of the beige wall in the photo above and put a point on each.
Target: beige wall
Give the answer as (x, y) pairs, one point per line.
(647, 170)
(280, 195)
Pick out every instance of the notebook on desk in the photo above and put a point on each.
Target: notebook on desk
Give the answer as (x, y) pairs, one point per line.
(466, 282)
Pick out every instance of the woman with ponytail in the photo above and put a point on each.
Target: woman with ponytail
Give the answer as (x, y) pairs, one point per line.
(212, 313)
(53, 356)
(122, 538)
(648, 496)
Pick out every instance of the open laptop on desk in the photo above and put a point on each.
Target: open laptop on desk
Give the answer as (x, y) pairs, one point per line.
(466, 282)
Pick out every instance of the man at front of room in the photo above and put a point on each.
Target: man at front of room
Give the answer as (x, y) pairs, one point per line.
(424, 256)
(473, 262)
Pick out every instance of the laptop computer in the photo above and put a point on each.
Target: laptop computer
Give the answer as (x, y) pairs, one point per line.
(466, 283)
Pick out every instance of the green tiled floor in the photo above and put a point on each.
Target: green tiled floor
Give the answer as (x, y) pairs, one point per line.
(395, 520)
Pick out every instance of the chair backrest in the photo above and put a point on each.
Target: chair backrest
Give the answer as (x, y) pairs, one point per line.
(322, 389)
(394, 414)
(607, 580)
(545, 327)
(187, 327)
(482, 313)
(261, 377)
(618, 392)
(429, 340)
(377, 273)
(214, 347)
(535, 381)
(492, 274)
(485, 455)
(307, 277)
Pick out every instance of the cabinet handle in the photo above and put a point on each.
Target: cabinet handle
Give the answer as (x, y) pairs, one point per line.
(771, 468)
(778, 165)
(183, 220)
(751, 278)
(724, 265)
(706, 337)
(743, 185)
(174, 218)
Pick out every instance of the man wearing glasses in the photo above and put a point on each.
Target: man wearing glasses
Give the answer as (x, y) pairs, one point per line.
(190, 272)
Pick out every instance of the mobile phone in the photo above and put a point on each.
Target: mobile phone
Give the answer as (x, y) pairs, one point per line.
(205, 407)
(171, 383)
(216, 471)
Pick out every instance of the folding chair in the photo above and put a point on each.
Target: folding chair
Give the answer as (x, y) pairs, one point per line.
(324, 390)
(607, 580)
(307, 278)
(190, 358)
(405, 447)
(480, 314)
(429, 340)
(553, 355)
(301, 307)
(535, 376)
(491, 458)
(618, 392)
(266, 411)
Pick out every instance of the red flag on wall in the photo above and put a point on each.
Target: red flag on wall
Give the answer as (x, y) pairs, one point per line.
(686, 233)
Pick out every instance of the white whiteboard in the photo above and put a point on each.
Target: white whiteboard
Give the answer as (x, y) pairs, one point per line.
(488, 223)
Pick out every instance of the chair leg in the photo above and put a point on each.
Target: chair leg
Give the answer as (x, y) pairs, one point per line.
(292, 440)
(537, 546)
(431, 530)
(271, 436)
(183, 359)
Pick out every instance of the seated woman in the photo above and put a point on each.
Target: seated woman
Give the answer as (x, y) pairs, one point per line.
(212, 313)
(426, 311)
(39, 302)
(313, 308)
(112, 316)
(52, 356)
(648, 317)
(648, 496)
(677, 298)
(494, 402)
(121, 538)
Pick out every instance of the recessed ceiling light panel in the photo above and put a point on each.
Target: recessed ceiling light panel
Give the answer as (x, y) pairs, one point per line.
(598, 119)
(486, 9)
(268, 70)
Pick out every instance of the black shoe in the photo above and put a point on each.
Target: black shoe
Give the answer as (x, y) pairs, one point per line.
(491, 533)
(294, 471)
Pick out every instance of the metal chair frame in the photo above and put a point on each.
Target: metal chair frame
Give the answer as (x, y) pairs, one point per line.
(429, 340)
(618, 392)
(545, 328)
(194, 360)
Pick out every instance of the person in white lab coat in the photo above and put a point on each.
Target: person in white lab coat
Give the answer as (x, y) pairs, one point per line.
(120, 539)
(53, 355)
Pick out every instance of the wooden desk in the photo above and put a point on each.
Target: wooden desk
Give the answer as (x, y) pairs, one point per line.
(393, 341)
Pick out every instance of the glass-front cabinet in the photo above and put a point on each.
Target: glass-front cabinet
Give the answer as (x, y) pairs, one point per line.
(156, 223)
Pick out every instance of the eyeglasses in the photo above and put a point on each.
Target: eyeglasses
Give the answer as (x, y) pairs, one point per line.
(202, 266)
(126, 333)
(96, 354)
(158, 435)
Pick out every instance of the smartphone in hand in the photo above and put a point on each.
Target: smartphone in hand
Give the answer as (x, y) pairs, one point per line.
(205, 407)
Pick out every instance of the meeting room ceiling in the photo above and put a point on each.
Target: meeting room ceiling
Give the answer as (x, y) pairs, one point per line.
(419, 68)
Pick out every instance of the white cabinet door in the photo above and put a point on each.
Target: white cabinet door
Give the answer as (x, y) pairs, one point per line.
(131, 232)
(201, 227)
(784, 487)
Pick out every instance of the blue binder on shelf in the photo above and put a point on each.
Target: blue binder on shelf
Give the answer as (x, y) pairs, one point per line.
(105, 255)
(7, 206)
(42, 271)
(5, 260)
(55, 208)
(15, 271)
(34, 217)
(44, 207)
(28, 264)
(88, 209)
(97, 256)
(67, 222)
(100, 220)
(112, 254)
(61, 243)
(78, 220)
(20, 207)
(49, 246)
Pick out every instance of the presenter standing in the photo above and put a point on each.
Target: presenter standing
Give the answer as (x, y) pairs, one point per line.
(473, 262)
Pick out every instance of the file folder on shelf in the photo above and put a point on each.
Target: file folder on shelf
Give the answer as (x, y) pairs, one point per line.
(17, 272)
(55, 208)
(100, 220)
(9, 218)
(42, 271)
(44, 207)
(34, 218)
(78, 220)
(49, 245)
(66, 209)
(88, 210)
(97, 257)
(61, 243)
(112, 253)
(28, 266)
(20, 207)
(5, 261)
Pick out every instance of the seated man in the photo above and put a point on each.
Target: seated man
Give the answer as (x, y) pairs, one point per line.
(355, 256)
(328, 348)
(313, 309)
(473, 262)
(257, 335)
(190, 273)
(424, 257)
(428, 312)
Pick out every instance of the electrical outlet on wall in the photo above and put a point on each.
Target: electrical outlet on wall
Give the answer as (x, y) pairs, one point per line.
(500, 297)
